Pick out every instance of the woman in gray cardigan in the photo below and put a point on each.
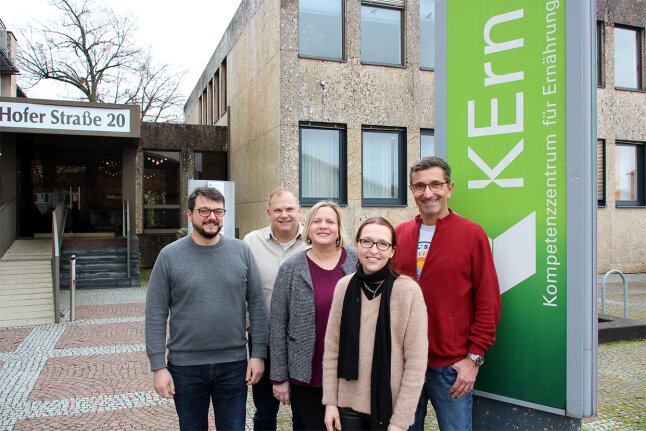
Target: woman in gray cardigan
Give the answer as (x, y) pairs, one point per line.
(300, 306)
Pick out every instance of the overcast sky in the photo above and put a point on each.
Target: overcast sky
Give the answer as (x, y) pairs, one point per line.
(182, 34)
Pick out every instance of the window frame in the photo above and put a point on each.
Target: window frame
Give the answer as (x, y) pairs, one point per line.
(639, 57)
(342, 200)
(402, 200)
(402, 36)
(601, 198)
(343, 58)
(640, 202)
(163, 206)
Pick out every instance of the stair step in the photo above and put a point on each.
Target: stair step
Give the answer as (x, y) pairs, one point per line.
(104, 282)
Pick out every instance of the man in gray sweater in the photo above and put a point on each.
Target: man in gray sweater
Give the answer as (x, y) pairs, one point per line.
(202, 285)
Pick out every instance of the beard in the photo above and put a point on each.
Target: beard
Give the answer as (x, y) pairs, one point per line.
(207, 235)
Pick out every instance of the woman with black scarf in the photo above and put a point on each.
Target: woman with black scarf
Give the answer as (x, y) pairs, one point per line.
(376, 343)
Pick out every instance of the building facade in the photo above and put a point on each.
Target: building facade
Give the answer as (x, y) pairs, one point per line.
(335, 99)
(99, 159)
(621, 133)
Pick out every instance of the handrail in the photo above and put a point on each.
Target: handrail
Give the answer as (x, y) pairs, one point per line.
(59, 215)
(6, 204)
(603, 291)
(128, 237)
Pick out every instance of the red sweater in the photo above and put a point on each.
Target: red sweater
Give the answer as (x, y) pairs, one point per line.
(459, 284)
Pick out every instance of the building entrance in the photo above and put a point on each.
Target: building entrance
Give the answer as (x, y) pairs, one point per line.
(88, 180)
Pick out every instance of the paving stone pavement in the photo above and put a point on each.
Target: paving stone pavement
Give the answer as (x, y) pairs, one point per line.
(93, 374)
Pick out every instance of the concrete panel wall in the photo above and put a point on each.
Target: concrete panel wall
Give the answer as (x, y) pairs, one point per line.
(356, 95)
(253, 92)
(621, 113)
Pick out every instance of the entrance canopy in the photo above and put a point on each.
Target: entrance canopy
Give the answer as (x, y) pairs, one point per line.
(70, 118)
(74, 151)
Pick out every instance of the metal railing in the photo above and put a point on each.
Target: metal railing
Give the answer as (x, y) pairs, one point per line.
(58, 229)
(72, 288)
(603, 291)
(125, 208)
(7, 225)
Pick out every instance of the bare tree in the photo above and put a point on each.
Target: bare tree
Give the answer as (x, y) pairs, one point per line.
(91, 49)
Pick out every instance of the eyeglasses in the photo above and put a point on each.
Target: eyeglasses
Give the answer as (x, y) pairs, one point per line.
(368, 243)
(205, 212)
(421, 187)
(288, 210)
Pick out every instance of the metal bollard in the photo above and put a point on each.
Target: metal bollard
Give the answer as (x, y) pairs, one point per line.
(73, 288)
(603, 291)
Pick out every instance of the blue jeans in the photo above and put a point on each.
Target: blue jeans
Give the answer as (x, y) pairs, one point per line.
(196, 385)
(453, 414)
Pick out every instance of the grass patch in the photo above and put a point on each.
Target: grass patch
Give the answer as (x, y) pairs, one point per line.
(144, 275)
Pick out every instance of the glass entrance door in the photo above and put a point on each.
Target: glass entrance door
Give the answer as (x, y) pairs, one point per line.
(91, 187)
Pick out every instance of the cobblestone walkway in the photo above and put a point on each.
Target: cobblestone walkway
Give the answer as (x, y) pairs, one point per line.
(93, 374)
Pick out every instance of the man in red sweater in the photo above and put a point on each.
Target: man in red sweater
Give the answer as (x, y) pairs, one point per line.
(451, 259)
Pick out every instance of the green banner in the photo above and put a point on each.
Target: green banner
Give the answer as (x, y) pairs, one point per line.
(506, 145)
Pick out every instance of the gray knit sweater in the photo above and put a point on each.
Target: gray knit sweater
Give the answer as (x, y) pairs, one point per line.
(206, 290)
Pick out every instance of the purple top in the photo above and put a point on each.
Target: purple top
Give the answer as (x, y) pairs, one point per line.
(324, 282)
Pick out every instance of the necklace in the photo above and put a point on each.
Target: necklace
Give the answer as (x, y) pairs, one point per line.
(374, 292)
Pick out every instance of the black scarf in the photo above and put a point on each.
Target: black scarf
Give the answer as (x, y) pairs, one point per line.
(381, 404)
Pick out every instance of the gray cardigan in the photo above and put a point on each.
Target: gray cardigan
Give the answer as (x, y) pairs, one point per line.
(293, 318)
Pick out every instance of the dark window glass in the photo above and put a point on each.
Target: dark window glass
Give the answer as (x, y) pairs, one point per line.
(210, 165)
(161, 189)
(320, 28)
(161, 218)
(322, 164)
(383, 167)
(600, 56)
(427, 33)
(381, 35)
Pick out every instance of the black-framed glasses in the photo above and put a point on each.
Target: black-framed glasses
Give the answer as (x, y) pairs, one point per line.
(205, 212)
(368, 243)
(288, 210)
(435, 186)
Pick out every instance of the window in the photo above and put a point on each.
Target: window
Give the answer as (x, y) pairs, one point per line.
(427, 34)
(322, 163)
(209, 103)
(210, 165)
(601, 172)
(629, 174)
(204, 101)
(627, 58)
(216, 96)
(200, 109)
(161, 191)
(383, 167)
(600, 54)
(381, 32)
(223, 87)
(426, 142)
(320, 28)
